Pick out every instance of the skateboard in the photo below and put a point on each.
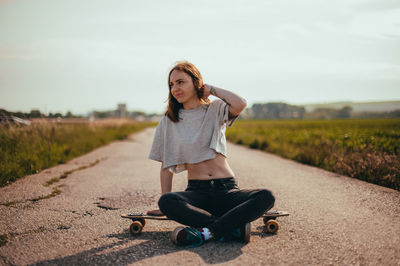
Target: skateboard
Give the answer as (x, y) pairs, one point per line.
(139, 220)
(269, 219)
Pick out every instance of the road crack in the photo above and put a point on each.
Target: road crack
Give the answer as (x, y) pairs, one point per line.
(67, 173)
(56, 190)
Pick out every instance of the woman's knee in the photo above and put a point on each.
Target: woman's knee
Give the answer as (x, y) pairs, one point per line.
(166, 201)
(266, 197)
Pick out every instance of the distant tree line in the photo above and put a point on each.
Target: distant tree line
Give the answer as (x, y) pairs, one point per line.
(37, 114)
(256, 111)
(391, 114)
(330, 113)
(287, 111)
(114, 113)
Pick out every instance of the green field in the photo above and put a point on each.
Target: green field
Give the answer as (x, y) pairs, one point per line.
(30, 149)
(364, 149)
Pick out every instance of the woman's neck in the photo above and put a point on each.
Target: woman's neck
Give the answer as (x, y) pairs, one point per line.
(192, 104)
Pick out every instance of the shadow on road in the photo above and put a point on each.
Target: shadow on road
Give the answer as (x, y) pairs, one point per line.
(151, 244)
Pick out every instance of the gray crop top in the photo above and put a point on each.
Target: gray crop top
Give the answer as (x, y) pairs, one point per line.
(198, 136)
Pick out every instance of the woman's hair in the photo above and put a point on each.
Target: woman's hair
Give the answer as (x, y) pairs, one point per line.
(173, 105)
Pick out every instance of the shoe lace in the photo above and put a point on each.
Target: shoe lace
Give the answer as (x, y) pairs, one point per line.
(194, 236)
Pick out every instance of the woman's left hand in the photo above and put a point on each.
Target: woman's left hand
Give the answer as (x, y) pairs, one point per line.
(156, 212)
(206, 91)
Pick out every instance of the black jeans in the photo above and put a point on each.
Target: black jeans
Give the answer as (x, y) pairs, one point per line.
(217, 204)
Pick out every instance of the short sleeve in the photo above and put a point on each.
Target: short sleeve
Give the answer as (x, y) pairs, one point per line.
(223, 113)
(157, 148)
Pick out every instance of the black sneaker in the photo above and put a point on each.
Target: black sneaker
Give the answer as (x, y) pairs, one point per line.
(184, 236)
(241, 234)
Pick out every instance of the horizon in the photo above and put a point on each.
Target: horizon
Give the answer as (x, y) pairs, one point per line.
(81, 56)
(248, 106)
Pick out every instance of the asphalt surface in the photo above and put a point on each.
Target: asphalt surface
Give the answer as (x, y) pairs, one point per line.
(334, 220)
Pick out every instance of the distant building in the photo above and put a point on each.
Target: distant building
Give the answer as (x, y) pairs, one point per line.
(121, 111)
(276, 111)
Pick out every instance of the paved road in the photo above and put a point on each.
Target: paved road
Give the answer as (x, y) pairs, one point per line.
(334, 219)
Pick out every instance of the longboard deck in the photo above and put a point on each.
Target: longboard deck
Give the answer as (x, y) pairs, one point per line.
(139, 220)
(273, 214)
(143, 216)
(139, 215)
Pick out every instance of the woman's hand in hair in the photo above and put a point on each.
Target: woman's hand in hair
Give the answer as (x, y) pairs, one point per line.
(206, 91)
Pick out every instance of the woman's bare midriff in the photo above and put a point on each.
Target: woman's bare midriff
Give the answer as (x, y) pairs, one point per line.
(211, 169)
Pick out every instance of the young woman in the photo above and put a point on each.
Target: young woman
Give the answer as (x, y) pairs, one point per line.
(191, 136)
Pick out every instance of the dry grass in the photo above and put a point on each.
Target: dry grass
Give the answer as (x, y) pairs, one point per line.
(364, 149)
(30, 149)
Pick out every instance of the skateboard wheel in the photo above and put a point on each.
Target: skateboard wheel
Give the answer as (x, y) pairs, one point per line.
(142, 221)
(272, 226)
(136, 227)
(266, 219)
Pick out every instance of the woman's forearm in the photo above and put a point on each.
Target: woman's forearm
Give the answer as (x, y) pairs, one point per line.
(165, 180)
(236, 103)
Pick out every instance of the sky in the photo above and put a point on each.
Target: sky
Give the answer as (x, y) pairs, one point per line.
(85, 55)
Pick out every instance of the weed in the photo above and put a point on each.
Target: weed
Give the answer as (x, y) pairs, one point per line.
(67, 173)
(51, 181)
(41, 229)
(54, 193)
(9, 203)
(3, 239)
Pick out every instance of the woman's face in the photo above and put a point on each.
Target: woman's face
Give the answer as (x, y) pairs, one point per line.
(182, 87)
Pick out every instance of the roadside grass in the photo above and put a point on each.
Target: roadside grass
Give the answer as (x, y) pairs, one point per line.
(28, 150)
(365, 149)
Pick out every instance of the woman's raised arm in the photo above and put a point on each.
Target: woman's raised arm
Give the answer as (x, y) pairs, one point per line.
(236, 103)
